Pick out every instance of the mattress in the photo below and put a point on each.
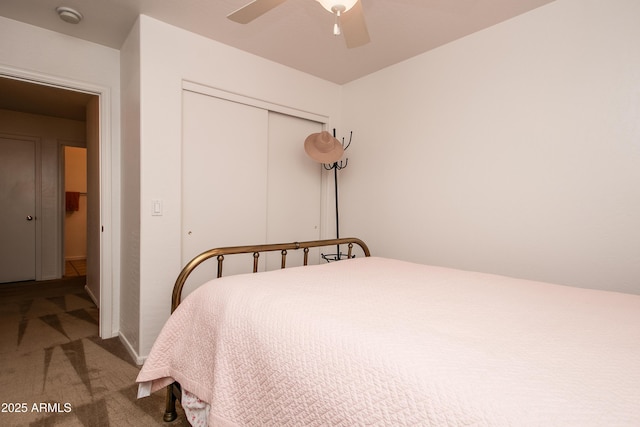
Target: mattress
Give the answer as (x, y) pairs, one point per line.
(381, 342)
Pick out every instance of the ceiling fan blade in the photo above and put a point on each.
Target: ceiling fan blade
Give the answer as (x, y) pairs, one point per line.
(354, 26)
(251, 11)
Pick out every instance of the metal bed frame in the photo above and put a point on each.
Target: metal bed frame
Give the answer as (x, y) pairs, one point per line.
(173, 390)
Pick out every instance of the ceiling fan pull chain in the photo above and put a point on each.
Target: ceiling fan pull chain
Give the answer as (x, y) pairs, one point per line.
(336, 26)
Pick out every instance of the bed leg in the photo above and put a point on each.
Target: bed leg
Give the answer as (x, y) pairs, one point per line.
(170, 413)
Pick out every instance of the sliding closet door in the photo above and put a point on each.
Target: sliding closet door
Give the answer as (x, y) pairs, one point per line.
(224, 170)
(245, 180)
(293, 203)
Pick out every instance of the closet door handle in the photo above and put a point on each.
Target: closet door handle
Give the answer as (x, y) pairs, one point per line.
(29, 218)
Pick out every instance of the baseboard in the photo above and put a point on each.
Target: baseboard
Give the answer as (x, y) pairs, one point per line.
(132, 352)
(91, 295)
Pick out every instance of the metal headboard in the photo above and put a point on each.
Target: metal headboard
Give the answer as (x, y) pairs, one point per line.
(220, 253)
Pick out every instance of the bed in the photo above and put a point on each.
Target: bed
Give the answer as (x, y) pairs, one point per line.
(382, 342)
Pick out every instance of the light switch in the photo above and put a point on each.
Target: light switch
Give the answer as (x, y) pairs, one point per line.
(156, 209)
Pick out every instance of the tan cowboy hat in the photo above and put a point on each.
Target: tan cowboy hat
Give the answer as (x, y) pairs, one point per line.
(323, 148)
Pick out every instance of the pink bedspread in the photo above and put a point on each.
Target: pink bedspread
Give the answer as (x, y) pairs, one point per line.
(379, 342)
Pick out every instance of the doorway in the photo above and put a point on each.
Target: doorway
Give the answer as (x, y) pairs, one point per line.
(75, 218)
(55, 117)
(102, 166)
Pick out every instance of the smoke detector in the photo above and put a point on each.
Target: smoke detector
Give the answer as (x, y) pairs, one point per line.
(69, 15)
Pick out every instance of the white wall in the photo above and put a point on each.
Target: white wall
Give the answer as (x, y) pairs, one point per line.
(130, 251)
(515, 150)
(41, 55)
(169, 56)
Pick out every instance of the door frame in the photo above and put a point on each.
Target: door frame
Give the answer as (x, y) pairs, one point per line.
(108, 323)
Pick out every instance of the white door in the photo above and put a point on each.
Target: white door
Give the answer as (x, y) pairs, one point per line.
(18, 210)
(245, 180)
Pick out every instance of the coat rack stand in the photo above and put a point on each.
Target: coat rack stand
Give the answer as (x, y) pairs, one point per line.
(336, 166)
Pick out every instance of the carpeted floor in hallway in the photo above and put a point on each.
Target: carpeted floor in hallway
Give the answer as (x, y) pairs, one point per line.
(56, 371)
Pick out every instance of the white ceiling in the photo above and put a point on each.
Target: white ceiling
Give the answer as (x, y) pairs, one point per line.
(297, 33)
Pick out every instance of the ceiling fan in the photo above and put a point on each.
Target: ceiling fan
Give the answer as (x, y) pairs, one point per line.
(348, 14)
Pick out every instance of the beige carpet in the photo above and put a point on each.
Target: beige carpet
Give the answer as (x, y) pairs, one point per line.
(56, 371)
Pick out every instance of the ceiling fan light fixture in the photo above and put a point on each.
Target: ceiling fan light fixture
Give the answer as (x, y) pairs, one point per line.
(352, 24)
(337, 6)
